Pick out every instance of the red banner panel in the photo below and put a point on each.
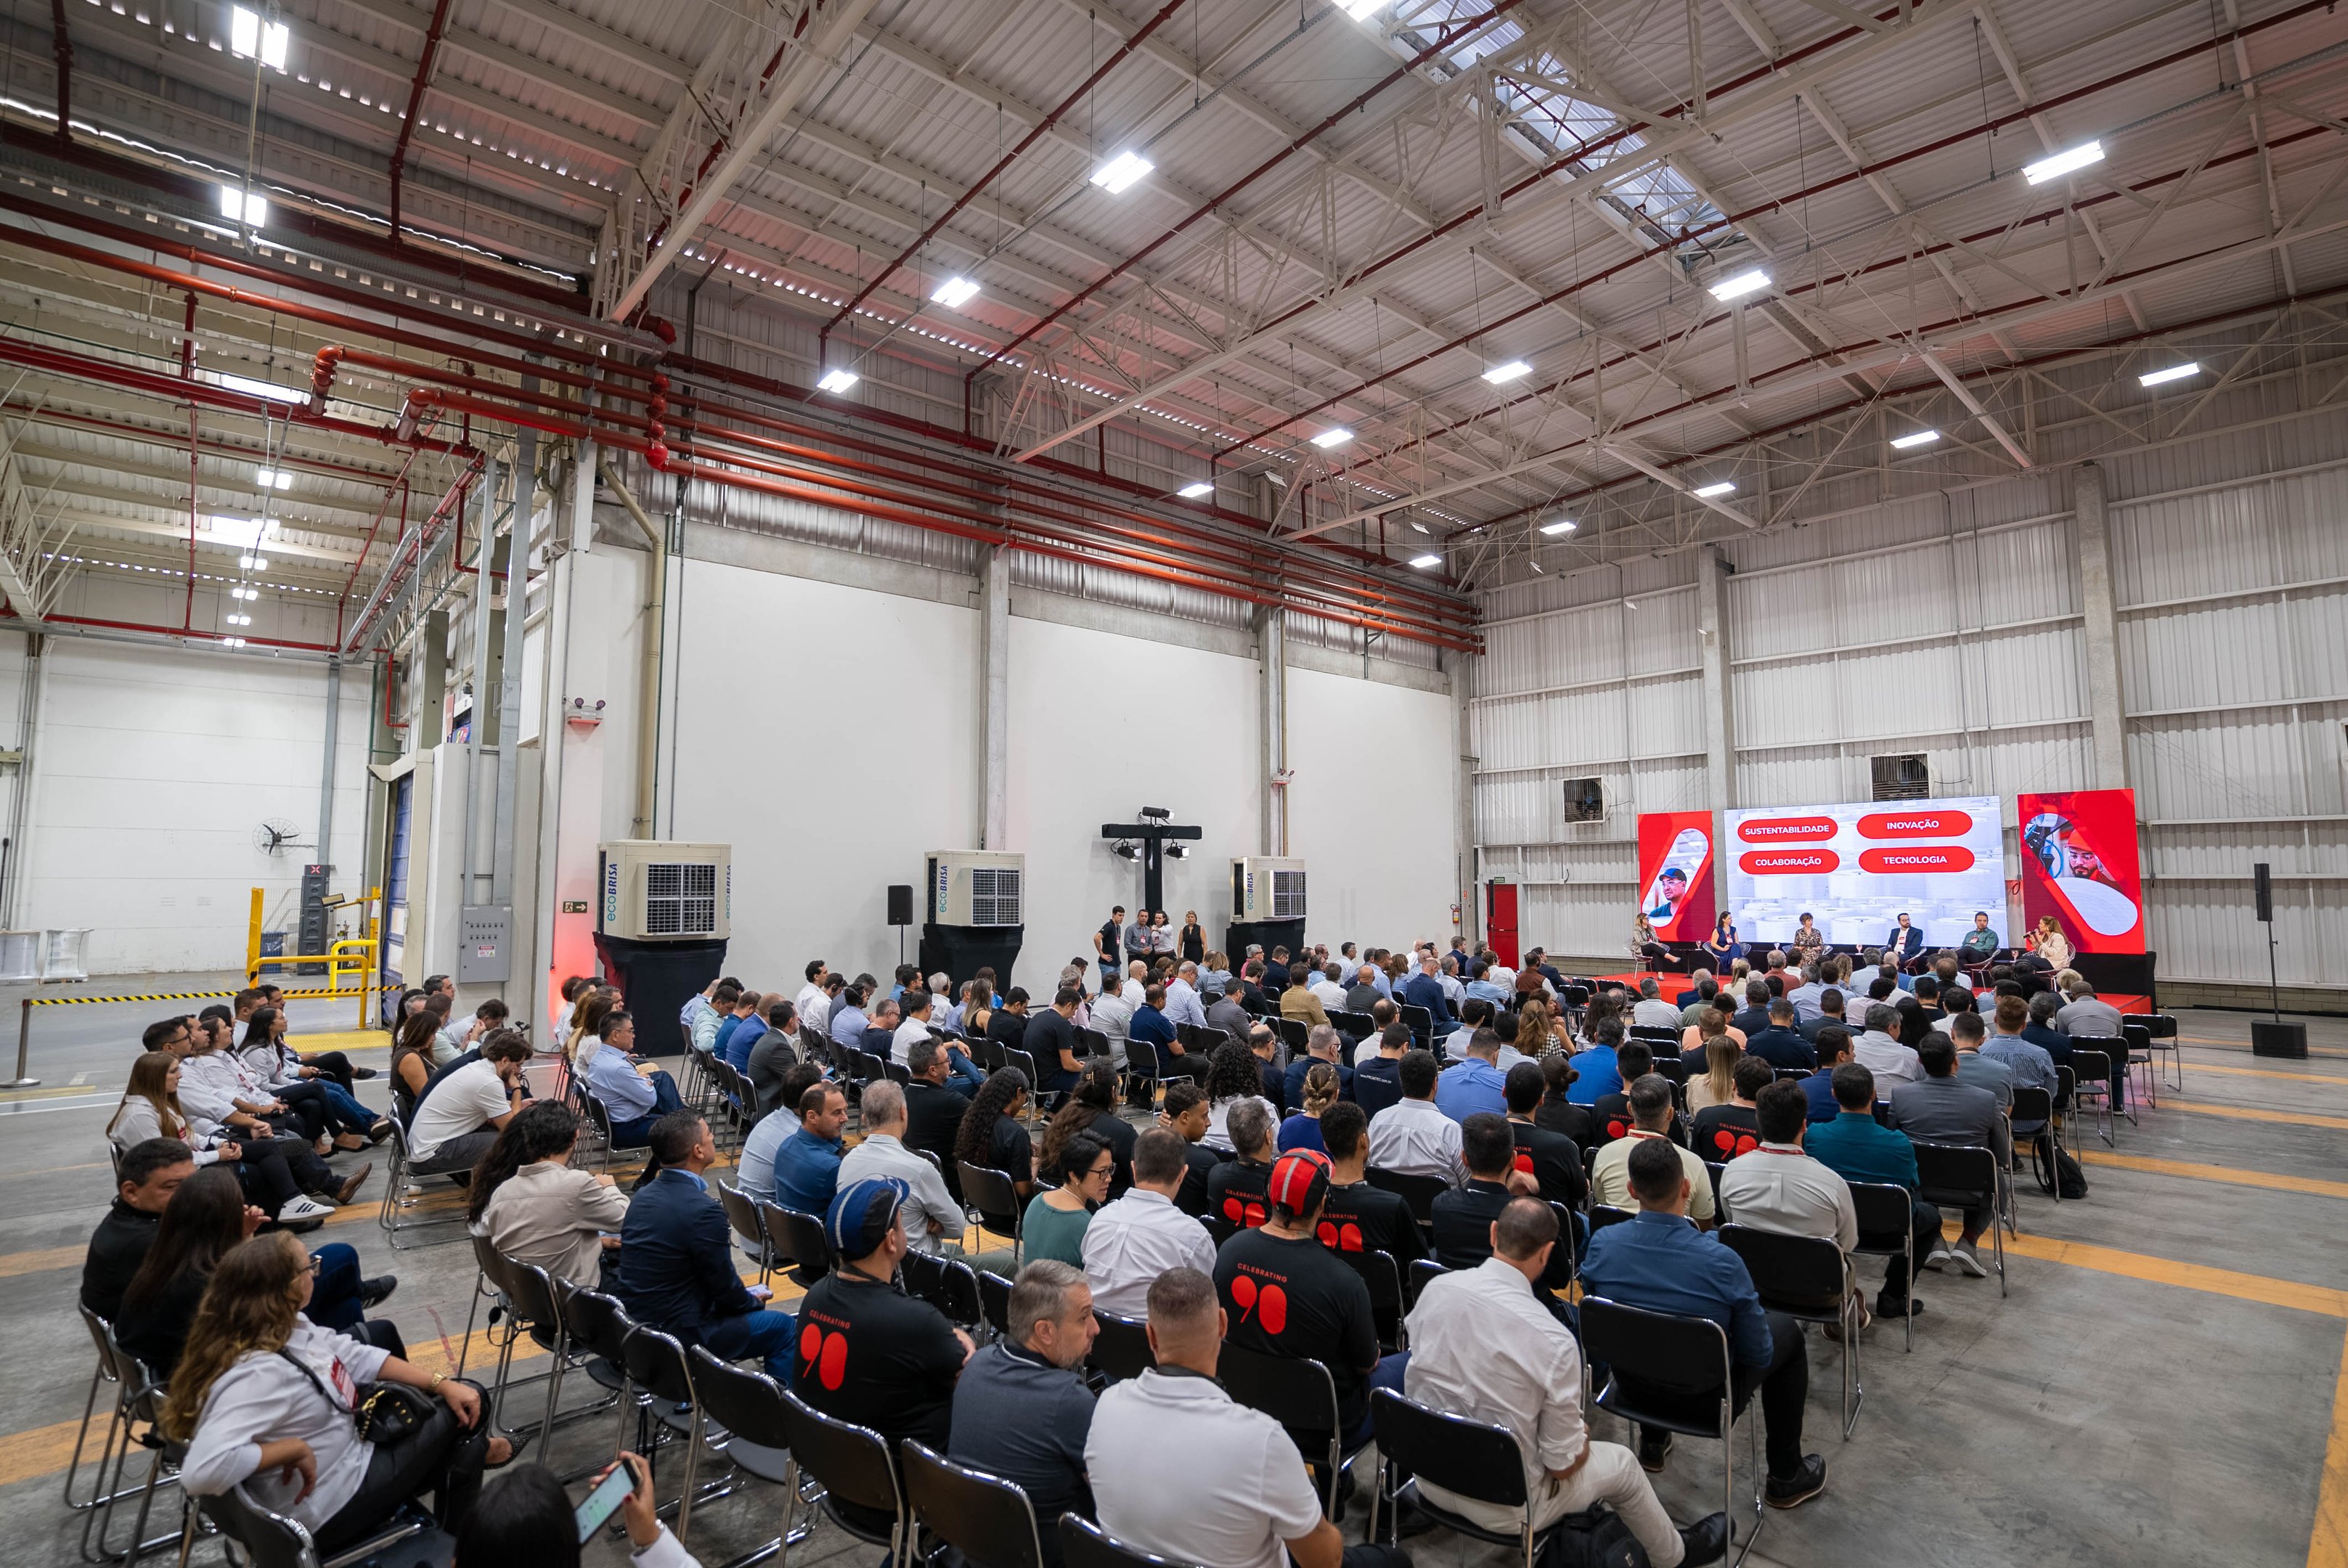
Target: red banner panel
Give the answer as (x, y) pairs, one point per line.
(1915, 824)
(1789, 862)
(1934, 860)
(2079, 866)
(1675, 874)
(1785, 829)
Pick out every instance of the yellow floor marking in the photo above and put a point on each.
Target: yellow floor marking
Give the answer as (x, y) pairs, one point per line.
(2231, 1174)
(2256, 1287)
(15, 1263)
(2327, 1544)
(2338, 1079)
(2252, 1113)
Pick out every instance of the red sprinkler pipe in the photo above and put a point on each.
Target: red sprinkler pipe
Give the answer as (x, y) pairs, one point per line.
(415, 103)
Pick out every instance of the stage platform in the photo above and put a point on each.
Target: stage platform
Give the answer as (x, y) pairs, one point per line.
(1673, 983)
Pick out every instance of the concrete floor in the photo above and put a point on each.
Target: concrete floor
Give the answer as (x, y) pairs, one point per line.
(2165, 1383)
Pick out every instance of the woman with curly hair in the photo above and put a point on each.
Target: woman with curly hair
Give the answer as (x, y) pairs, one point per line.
(264, 1399)
(990, 1136)
(1233, 1074)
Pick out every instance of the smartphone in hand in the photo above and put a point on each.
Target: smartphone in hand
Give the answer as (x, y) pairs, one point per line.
(603, 1500)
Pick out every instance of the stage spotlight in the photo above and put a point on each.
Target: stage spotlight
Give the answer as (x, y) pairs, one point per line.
(1156, 812)
(1127, 852)
(1179, 851)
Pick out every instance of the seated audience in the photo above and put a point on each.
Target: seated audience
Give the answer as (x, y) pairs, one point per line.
(1286, 1296)
(1880, 1051)
(990, 1136)
(1357, 1217)
(525, 1517)
(1021, 1408)
(1463, 1217)
(775, 1054)
(1781, 1044)
(275, 1067)
(1051, 1040)
(1722, 1132)
(1484, 1346)
(1477, 1086)
(2041, 1030)
(1658, 1261)
(1090, 1107)
(635, 1099)
(1141, 1236)
(1551, 1159)
(1236, 1188)
(1377, 1077)
(933, 1217)
(1185, 1111)
(536, 1209)
(1413, 1137)
(1322, 1043)
(1234, 1076)
(867, 1352)
(1651, 1115)
(1316, 1089)
(848, 1022)
(1558, 1111)
(1858, 1148)
(934, 1107)
(1056, 1218)
(146, 1177)
(1594, 1069)
(676, 1270)
(1941, 1110)
(1266, 1511)
(1297, 1001)
(1834, 1050)
(263, 1397)
(264, 1168)
(795, 1161)
(1829, 1015)
(1714, 1082)
(1777, 1186)
(461, 1117)
(1968, 1034)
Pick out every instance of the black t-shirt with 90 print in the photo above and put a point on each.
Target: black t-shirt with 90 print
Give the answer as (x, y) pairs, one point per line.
(1362, 1218)
(870, 1355)
(1290, 1298)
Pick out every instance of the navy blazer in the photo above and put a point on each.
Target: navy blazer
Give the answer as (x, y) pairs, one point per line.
(676, 1259)
(1906, 947)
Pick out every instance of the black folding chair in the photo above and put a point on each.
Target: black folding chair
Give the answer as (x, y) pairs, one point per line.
(1886, 1229)
(600, 1325)
(748, 1405)
(1956, 1176)
(858, 1471)
(742, 1213)
(1122, 1349)
(1472, 1459)
(1419, 1191)
(1604, 1214)
(796, 1240)
(994, 1301)
(270, 1540)
(1138, 1081)
(2092, 1057)
(1294, 1033)
(993, 1202)
(1303, 1398)
(1804, 1278)
(2035, 1106)
(656, 1363)
(1379, 1273)
(1084, 1544)
(986, 1519)
(1673, 1372)
(1422, 1271)
(2159, 1037)
(947, 1284)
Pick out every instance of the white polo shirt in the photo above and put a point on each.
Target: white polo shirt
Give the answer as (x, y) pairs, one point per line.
(1132, 1241)
(1237, 1460)
(1481, 1347)
(1412, 1138)
(467, 1100)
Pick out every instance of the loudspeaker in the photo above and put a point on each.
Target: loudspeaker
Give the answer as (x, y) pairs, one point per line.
(901, 904)
(2275, 1036)
(2264, 890)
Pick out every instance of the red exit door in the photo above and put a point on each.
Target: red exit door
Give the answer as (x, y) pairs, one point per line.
(1500, 920)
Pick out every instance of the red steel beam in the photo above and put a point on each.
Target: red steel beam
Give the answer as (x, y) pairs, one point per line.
(1043, 127)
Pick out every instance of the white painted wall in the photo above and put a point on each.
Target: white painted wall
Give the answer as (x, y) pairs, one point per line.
(152, 767)
(1372, 809)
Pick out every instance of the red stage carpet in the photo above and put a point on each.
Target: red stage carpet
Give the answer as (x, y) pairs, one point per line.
(1673, 984)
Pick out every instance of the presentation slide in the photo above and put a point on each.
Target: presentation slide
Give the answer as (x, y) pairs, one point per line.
(1859, 867)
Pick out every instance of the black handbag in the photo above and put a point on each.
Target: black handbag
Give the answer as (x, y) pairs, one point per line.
(384, 1413)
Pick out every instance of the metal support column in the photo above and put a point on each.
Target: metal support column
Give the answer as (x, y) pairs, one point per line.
(326, 763)
(2091, 529)
(995, 697)
(1712, 572)
(1272, 661)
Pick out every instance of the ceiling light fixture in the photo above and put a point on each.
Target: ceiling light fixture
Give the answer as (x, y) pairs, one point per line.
(273, 478)
(1422, 562)
(254, 208)
(1122, 173)
(2168, 373)
(253, 386)
(1562, 526)
(1750, 281)
(1537, 567)
(1194, 491)
(1362, 10)
(249, 35)
(2063, 163)
(1329, 439)
(232, 642)
(1419, 526)
(1719, 487)
(252, 563)
(836, 381)
(1915, 438)
(1501, 375)
(956, 293)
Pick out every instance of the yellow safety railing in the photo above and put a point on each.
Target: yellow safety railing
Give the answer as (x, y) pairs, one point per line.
(349, 955)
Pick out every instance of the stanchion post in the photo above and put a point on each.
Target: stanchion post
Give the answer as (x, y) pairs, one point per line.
(23, 1048)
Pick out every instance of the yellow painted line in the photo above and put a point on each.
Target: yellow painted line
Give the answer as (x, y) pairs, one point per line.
(2337, 1080)
(2327, 1544)
(2252, 1113)
(19, 1263)
(2232, 1176)
(2256, 1287)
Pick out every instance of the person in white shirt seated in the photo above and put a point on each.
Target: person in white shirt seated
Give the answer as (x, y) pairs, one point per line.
(1411, 1137)
(535, 1209)
(916, 1026)
(467, 1110)
(1653, 1011)
(1483, 1346)
(1778, 1187)
(1246, 1499)
(263, 1398)
(1881, 1052)
(527, 1517)
(1327, 987)
(813, 998)
(1137, 1237)
(1112, 1012)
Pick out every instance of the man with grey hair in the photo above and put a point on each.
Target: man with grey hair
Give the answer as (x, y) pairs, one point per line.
(1701, 989)
(1880, 1051)
(1235, 1189)
(1112, 1015)
(1183, 1002)
(1653, 1011)
(934, 1221)
(1021, 1408)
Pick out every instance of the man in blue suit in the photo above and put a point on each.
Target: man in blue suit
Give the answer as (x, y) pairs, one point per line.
(676, 1268)
(1905, 946)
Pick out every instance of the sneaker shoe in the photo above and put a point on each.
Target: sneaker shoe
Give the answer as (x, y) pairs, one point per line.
(297, 1209)
(1798, 1488)
(379, 1132)
(1970, 1260)
(351, 1183)
(1938, 1255)
(1653, 1452)
(377, 1291)
(1705, 1541)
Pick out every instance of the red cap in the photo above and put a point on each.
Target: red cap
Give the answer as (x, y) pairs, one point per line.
(1299, 1180)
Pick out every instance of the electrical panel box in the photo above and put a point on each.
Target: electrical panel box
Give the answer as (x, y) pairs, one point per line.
(1267, 887)
(976, 887)
(484, 949)
(654, 891)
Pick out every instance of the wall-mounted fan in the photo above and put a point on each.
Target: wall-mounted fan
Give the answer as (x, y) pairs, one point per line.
(275, 835)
